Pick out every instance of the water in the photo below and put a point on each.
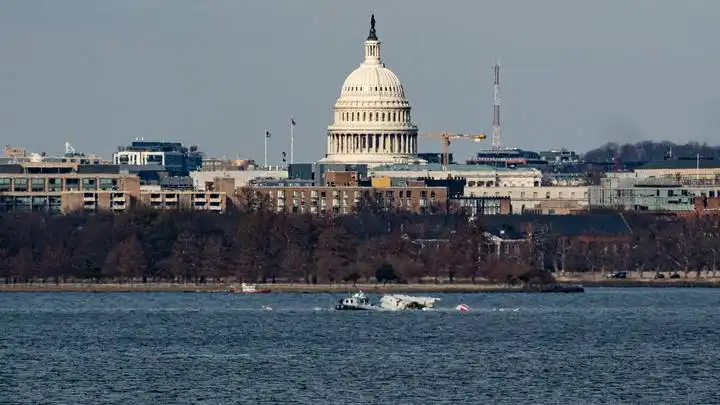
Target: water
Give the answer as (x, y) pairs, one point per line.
(610, 346)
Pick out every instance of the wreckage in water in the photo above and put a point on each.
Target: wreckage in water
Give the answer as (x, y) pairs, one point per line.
(390, 302)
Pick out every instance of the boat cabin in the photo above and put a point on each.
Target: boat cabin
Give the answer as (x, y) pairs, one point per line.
(354, 301)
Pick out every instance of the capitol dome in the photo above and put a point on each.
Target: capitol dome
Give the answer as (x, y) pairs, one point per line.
(372, 122)
(372, 81)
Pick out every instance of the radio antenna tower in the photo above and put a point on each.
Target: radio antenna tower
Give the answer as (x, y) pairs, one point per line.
(496, 107)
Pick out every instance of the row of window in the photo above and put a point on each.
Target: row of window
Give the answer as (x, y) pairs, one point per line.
(535, 195)
(395, 116)
(345, 193)
(496, 183)
(334, 210)
(396, 89)
(197, 196)
(43, 184)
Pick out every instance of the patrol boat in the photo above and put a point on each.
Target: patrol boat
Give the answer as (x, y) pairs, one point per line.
(356, 302)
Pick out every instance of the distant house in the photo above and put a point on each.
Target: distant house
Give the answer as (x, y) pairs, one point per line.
(553, 236)
(506, 242)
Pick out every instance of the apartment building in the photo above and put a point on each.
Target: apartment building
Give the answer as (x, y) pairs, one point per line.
(65, 187)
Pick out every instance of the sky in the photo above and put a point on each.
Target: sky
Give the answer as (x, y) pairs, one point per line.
(218, 73)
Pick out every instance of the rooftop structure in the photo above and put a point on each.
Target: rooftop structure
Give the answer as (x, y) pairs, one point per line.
(172, 158)
(12, 155)
(559, 156)
(507, 157)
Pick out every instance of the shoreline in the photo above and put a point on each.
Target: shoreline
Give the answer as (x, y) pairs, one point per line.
(560, 286)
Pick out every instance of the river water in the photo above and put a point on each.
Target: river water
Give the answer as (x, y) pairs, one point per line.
(607, 346)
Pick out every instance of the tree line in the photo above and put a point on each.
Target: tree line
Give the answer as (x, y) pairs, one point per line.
(650, 151)
(251, 243)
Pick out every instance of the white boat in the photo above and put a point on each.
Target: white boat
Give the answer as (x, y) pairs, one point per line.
(249, 289)
(389, 302)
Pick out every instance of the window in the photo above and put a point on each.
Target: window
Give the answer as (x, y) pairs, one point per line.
(5, 184)
(54, 185)
(107, 184)
(20, 185)
(37, 185)
(89, 183)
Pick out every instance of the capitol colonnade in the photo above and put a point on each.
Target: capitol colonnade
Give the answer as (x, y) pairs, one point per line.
(383, 143)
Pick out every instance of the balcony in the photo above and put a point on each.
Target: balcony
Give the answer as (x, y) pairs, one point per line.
(118, 207)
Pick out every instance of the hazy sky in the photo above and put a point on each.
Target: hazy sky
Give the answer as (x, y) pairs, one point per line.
(217, 73)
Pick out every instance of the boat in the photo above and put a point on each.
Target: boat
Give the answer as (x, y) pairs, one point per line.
(389, 302)
(355, 302)
(250, 289)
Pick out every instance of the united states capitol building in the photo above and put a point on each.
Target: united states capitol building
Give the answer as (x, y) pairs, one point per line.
(371, 121)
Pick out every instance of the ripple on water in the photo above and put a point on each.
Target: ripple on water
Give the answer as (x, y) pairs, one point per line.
(606, 346)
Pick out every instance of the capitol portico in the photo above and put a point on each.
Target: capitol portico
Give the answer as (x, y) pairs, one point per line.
(372, 123)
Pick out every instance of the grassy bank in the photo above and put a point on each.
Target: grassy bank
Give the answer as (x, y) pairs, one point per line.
(345, 288)
(275, 288)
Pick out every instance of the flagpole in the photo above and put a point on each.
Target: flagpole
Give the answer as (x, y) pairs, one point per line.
(266, 138)
(292, 141)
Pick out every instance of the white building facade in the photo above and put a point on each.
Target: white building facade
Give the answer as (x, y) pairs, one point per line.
(478, 176)
(371, 122)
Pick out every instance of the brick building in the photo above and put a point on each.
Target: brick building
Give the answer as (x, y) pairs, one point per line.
(343, 199)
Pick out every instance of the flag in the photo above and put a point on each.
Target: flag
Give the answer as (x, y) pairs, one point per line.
(292, 121)
(267, 134)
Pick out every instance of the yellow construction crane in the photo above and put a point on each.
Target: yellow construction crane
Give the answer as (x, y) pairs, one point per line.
(446, 137)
